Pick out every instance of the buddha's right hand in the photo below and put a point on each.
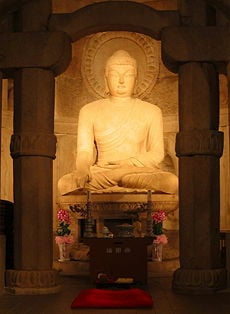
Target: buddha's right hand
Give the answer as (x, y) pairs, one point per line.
(82, 176)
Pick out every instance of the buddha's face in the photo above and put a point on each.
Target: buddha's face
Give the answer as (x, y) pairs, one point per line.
(121, 79)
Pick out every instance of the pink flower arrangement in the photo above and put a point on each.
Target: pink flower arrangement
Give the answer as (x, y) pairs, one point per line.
(161, 238)
(64, 216)
(63, 231)
(158, 216)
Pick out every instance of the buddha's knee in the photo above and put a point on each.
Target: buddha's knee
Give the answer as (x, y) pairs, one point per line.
(159, 181)
(171, 183)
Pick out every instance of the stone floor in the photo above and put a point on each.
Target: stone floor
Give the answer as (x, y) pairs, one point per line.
(165, 301)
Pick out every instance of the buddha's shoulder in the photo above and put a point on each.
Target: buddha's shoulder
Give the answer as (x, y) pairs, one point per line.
(147, 106)
(95, 105)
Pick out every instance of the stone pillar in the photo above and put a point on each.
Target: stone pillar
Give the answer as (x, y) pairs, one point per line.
(2, 236)
(199, 146)
(33, 147)
(228, 233)
(0, 133)
(228, 75)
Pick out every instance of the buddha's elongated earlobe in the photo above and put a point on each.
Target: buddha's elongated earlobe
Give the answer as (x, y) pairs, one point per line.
(135, 88)
(107, 92)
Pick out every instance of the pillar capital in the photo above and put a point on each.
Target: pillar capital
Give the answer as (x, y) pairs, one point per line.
(47, 50)
(195, 44)
(33, 144)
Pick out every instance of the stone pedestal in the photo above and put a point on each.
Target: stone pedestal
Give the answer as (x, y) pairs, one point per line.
(115, 206)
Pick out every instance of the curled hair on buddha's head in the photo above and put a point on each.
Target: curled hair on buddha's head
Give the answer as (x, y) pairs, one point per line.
(120, 57)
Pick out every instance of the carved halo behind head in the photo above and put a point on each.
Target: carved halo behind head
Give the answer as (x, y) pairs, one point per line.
(98, 49)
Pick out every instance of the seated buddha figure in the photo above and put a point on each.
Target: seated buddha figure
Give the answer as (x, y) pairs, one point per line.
(127, 134)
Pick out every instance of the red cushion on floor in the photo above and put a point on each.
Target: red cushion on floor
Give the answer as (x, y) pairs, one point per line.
(102, 298)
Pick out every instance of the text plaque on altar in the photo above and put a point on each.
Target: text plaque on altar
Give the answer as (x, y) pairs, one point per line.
(119, 258)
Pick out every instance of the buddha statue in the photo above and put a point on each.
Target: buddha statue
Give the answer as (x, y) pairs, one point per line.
(127, 135)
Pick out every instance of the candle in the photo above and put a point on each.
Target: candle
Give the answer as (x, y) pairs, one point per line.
(89, 196)
(149, 195)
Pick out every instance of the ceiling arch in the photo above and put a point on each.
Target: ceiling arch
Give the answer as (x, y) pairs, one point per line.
(114, 16)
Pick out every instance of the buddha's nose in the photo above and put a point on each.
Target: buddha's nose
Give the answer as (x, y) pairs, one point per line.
(121, 79)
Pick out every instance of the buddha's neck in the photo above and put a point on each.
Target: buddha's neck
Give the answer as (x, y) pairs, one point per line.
(121, 101)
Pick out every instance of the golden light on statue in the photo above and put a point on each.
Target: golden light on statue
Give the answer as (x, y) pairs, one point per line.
(122, 126)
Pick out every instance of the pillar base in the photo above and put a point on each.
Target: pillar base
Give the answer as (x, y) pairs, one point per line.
(199, 281)
(32, 282)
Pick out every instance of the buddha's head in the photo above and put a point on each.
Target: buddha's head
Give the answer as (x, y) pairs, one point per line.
(120, 74)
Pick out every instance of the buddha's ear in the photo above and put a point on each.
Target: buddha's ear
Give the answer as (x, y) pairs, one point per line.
(106, 86)
(135, 88)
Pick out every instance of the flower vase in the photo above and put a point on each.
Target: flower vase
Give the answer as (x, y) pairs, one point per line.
(64, 244)
(64, 251)
(157, 249)
(157, 228)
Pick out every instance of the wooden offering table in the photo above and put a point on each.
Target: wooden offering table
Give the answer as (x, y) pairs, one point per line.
(119, 258)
